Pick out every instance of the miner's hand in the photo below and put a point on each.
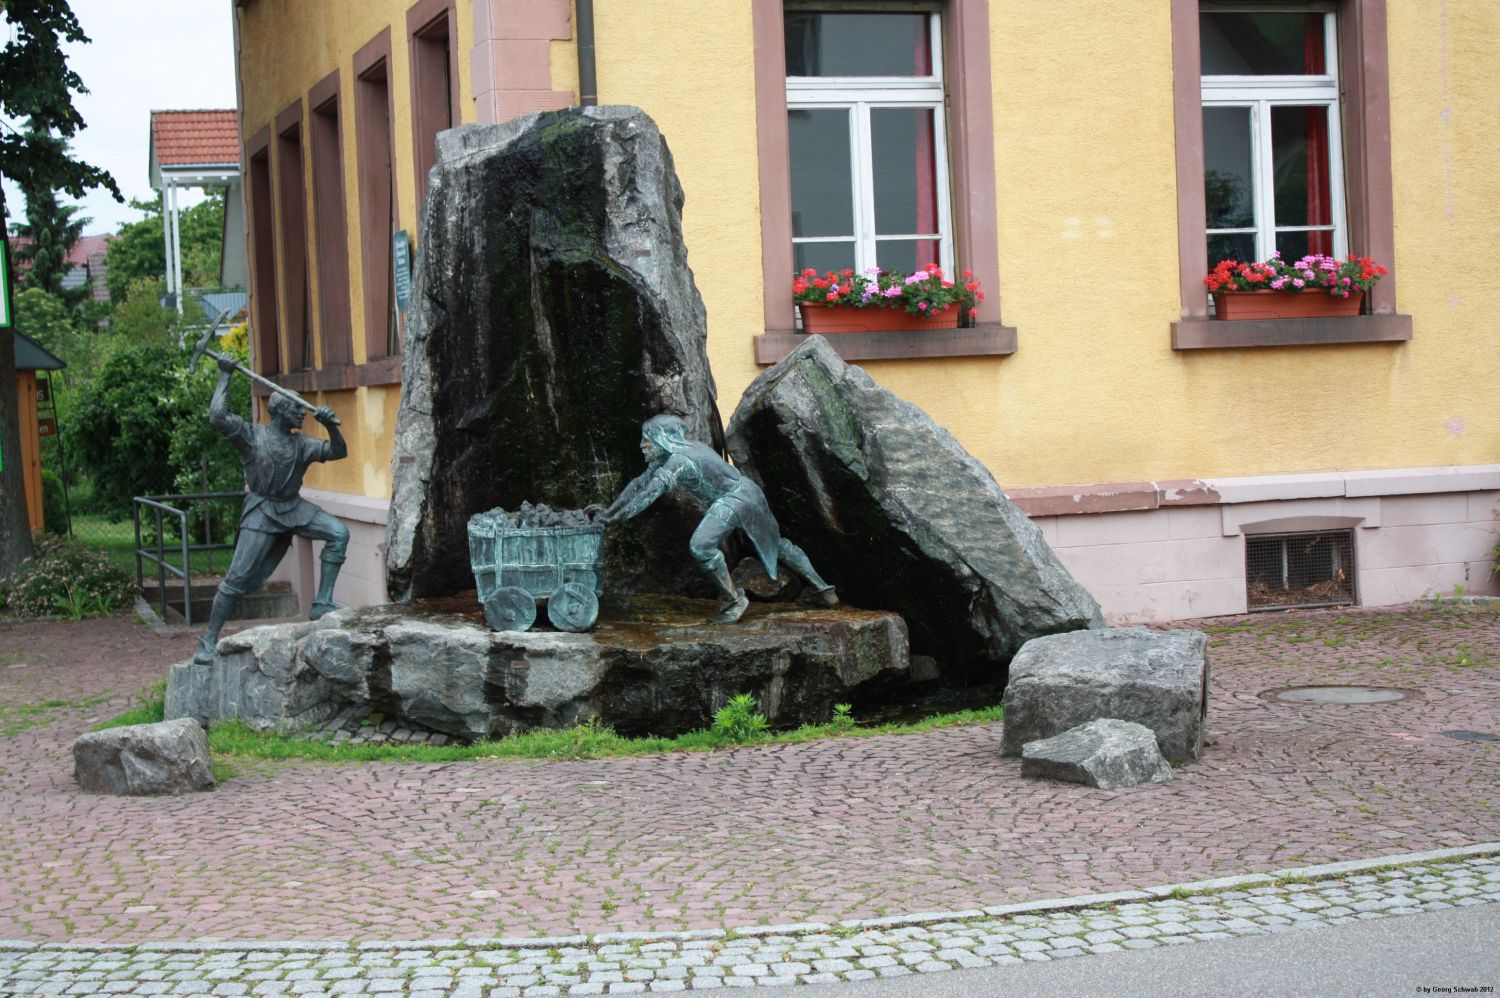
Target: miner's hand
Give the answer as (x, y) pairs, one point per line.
(325, 415)
(227, 365)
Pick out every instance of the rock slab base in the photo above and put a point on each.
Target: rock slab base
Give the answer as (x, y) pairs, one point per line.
(653, 667)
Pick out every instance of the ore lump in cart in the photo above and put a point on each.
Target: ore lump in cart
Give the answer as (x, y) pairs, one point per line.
(538, 554)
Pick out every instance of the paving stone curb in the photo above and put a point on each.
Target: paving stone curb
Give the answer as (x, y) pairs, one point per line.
(633, 962)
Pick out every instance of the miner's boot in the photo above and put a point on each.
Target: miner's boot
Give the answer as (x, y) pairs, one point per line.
(218, 616)
(822, 594)
(323, 602)
(735, 601)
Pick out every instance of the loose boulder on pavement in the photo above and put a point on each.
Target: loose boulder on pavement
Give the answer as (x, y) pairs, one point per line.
(1155, 678)
(899, 516)
(141, 760)
(1107, 753)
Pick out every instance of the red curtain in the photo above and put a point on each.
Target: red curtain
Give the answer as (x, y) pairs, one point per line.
(1318, 209)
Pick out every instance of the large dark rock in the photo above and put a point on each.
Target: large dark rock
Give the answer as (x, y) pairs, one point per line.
(896, 514)
(648, 667)
(138, 760)
(1158, 679)
(1107, 753)
(553, 312)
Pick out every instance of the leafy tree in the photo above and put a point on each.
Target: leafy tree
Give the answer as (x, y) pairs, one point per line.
(51, 229)
(46, 318)
(201, 459)
(139, 250)
(122, 425)
(38, 88)
(140, 318)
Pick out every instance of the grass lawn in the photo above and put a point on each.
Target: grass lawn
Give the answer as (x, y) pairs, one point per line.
(118, 541)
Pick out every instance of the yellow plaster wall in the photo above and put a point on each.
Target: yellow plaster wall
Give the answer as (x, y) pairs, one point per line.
(694, 74)
(1087, 221)
(295, 45)
(1087, 214)
(1445, 149)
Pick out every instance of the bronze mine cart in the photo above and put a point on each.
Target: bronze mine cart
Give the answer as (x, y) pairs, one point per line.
(517, 567)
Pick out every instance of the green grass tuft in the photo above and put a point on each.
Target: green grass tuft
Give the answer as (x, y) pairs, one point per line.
(150, 709)
(586, 741)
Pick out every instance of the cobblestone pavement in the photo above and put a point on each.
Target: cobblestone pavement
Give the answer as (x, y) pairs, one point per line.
(622, 963)
(825, 831)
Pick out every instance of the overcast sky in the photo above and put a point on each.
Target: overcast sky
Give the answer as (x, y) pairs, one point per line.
(143, 56)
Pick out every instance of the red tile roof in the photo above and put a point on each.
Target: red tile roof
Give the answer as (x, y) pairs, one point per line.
(195, 138)
(86, 247)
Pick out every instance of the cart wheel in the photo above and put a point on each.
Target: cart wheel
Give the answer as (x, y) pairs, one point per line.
(573, 607)
(510, 608)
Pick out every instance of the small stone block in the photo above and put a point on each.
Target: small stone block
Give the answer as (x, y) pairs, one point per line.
(1107, 754)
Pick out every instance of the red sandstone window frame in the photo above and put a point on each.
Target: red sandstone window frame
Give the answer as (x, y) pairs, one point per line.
(431, 28)
(971, 151)
(260, 205)
(291, 191)
(331, 235)
(379, 212)
(1364, 79)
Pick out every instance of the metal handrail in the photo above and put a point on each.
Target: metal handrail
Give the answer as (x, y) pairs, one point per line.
(162, 506)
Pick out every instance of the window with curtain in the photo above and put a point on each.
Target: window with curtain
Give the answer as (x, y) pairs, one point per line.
(1273, 168)
(867, 139)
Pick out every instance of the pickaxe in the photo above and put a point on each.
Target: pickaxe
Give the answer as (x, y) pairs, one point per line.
(201, 350)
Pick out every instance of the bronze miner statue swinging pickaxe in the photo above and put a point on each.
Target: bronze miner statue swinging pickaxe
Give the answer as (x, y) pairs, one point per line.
(275, 458)
(201, 350)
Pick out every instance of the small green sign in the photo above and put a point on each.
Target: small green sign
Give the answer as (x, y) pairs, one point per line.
(4, 284)
(401, 261)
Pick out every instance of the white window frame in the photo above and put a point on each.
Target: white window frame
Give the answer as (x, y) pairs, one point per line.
(860, 95)
(1262, 93)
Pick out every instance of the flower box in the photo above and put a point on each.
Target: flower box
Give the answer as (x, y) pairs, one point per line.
(1315, 287)
(1281, 305)
(884, 301)
(842, 319)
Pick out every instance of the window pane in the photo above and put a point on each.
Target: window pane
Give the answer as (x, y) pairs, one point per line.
(905, 166)
(822, 184)
(1228, 184)
(1293, 246)
(905, 255)
(1299, 147)
(858, 45)
(823, 257)
(1262, 44)
(1231, 246)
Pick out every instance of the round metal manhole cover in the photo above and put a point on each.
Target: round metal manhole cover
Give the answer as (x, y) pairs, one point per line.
(1340, 694)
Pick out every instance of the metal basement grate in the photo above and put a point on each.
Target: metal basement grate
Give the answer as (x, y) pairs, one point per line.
(1306, 569)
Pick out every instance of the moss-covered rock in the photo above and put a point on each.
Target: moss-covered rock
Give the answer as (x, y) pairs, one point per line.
(554, 311)
(900, 517)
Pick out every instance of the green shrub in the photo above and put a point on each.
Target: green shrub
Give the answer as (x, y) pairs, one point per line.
(843, 717)
(737, 722)
(54, 503)
(123, 426)
(65, 577)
